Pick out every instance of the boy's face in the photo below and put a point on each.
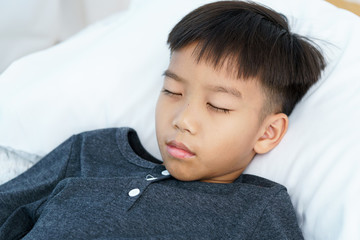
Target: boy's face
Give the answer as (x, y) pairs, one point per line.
(207, 122)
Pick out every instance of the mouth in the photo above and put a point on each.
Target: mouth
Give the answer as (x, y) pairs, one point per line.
(179, 150)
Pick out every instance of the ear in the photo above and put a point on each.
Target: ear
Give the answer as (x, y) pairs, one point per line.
(273, 129)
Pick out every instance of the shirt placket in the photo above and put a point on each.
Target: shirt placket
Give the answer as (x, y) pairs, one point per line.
(137, 186)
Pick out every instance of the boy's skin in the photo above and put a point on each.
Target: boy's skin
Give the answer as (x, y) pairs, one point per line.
(209, 123)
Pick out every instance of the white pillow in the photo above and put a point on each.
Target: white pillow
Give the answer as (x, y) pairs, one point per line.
(110, 75)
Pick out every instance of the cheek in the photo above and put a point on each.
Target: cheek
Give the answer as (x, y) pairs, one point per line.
(234, 151)
(163, 114)
(235, 135)
(159, 111)
(161, 108)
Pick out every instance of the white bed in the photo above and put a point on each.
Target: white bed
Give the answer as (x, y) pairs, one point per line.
(110, 74)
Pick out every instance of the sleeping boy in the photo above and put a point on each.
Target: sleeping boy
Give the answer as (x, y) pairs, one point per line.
(236, 72)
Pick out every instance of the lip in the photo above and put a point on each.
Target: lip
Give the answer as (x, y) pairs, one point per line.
(179, 150)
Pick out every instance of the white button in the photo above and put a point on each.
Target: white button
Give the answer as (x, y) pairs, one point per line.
(134, 192)
(165, 173)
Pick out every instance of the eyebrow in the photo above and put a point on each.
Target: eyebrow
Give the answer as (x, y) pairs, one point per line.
(172, 75)
(230, 90)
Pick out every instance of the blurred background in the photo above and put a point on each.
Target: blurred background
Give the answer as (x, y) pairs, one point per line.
(27, 26)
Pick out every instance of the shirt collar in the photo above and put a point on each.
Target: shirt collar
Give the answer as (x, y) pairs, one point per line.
(132, 149)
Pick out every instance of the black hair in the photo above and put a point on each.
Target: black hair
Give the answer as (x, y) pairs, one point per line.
(257, 44)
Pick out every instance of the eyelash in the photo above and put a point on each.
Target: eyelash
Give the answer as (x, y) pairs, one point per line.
(167, 92)
(217, 109)
(209, 105)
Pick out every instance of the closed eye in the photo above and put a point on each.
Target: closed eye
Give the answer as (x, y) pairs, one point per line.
(170, 93)
(218, 109)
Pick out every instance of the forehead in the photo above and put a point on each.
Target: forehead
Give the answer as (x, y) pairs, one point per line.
(185, 64)
(195, 55)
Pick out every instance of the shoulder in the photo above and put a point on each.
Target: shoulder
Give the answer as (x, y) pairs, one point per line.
(261, 184)
(257, 194)
(262, 193)
(278, 218)
(102, 137)
(105, 132)
(99, 144)
(113, 145)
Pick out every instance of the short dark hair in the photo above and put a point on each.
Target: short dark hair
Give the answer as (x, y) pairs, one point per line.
(257, 44)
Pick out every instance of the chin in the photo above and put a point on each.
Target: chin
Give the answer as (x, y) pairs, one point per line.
(184, 178)
(181, 175)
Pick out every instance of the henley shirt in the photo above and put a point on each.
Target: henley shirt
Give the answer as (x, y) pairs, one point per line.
(103, 184)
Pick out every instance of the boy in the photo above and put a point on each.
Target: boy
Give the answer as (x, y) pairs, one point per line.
(235, 74)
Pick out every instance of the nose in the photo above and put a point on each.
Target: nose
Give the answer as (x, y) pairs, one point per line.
(186, 119)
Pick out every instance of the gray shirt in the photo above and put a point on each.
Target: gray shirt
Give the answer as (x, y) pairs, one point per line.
(104, 185)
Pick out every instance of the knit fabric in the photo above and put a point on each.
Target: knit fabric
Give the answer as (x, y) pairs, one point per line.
(104, 185)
